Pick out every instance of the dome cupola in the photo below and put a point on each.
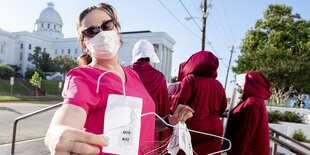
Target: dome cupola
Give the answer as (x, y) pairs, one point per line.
(49, 23)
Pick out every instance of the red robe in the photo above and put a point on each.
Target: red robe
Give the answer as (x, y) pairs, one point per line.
(181, 73)
(206, 96)
(247, 126)
(155, 83)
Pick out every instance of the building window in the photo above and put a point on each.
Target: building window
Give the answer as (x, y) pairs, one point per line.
(62, 51)
(44, 49)
(41, 25)
(54, 27)
(21, 56)
(1, 48)
(21, 46)
(69, 51)
(29, 46)
(48, 26)
(75, 51)
(75, 58)
(56, 51)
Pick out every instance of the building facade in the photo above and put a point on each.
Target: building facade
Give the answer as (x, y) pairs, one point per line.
(15, 47)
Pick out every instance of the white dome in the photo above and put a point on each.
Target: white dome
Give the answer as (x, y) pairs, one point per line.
(50, 14)
(49, 23)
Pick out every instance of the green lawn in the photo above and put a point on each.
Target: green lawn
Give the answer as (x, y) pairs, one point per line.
(51, 87)
(32, 98)
(17, 88)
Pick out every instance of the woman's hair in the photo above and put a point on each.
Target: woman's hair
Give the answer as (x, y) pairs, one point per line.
(85, 58)
(147, 59)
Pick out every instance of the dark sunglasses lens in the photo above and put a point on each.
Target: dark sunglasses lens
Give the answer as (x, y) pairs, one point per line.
(107, 26)
(91, 32)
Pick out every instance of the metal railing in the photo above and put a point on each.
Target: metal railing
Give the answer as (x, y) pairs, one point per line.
(26, 116)
(274, 136)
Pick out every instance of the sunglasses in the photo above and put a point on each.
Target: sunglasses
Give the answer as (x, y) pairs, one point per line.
(93, 31)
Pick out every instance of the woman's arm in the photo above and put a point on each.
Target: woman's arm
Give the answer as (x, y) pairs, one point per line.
(182, 113)
(182, 93)
(65, 135)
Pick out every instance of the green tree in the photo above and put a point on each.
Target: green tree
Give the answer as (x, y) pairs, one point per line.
(40, 59)
(278, 46)
(174, 79)
(36, 82)
(63, 63)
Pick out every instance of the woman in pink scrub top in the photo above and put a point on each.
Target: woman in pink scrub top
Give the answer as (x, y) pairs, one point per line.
(77, 127)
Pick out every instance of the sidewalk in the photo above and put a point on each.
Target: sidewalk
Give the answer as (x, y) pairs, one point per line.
(29, 128)
(29, 147)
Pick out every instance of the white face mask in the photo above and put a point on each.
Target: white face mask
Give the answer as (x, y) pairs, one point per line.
(104, 45)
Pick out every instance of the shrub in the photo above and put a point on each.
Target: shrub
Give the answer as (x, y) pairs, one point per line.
(6, 72)
(30, 72)
(299, 135)
(292, 117)
(15, 67)
(274, 116)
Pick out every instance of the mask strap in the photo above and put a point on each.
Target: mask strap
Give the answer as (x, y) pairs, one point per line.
(203, 133)
(118, 74)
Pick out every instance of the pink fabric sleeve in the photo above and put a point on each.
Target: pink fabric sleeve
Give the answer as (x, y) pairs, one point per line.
(80, 91)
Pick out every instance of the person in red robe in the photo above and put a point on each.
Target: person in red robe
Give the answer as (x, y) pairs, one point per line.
(181, 73)
(173, 86)
(247, 126)
(152, 79)
(206, 96)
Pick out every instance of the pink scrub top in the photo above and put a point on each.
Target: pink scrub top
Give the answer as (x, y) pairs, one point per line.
(80, 90)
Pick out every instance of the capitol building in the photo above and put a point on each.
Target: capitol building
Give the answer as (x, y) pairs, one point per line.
(15, 47)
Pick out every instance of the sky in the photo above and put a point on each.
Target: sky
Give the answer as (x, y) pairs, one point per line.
(227, 23)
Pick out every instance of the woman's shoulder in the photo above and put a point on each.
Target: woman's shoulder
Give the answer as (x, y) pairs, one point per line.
(81, 71)
(254, 102)
(131, 73)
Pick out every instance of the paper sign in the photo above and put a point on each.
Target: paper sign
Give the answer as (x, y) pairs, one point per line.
(12, 81)
(60, 84)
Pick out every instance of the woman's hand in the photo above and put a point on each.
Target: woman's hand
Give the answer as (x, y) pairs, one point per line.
(225, 113)
(66, 136)
(182, 113)
(65, 140)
